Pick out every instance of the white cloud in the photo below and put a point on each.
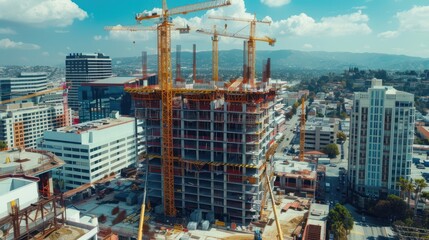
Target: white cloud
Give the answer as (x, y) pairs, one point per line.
(341, 25)
(275, 3)
(41, 12)
(98, 37)
(388, 34)
(62, 31)
(45, 54)
(307, 46)
(7, 31)
(360, 7)
(415, 19)
(6, 43)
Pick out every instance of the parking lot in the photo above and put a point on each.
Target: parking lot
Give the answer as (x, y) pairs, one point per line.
(417, 173)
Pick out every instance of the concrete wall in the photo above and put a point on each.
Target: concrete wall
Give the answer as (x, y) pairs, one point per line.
(23, 190)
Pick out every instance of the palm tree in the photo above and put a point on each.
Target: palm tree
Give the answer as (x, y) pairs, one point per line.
(409, 188)
(419, 184)
(402, 186)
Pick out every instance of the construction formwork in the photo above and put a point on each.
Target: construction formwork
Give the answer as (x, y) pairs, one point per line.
(220, 141)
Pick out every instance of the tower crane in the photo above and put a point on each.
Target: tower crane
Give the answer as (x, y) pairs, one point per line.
(302, 131)
(250, 43)
(166, 89)
(215, 34)
(215, 55)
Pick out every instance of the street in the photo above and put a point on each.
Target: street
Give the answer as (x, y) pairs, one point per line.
(288, 134)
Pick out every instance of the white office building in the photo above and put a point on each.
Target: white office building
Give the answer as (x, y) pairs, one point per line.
(381, 140)
(93, 149)
(21, 124)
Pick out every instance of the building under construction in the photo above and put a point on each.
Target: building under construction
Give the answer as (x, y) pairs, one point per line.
(220, 140)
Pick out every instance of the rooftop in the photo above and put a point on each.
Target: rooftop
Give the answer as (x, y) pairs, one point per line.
(30, 162)
(294, 168)
(326, 124)
(95, 125)
(14, 182)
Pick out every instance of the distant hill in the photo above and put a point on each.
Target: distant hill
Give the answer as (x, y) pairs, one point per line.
(292, 59)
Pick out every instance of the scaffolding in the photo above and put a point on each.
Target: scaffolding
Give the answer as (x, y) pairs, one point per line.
(36, 221)
(219, 142)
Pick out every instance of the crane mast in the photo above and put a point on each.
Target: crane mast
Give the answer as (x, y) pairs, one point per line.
(215, 55)
(164, 75)
(251, 44)
(250, 52)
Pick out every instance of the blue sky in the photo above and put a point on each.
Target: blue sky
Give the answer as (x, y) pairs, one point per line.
(40, 32)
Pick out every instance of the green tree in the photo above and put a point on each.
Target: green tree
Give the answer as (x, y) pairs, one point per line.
(340, 221)
(3, 145)
(341, 136)
(393, 208)
(331, 150)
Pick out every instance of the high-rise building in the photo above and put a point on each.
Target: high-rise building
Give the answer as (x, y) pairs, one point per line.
(93, 149)
(83, 68)
(21, 124)
(221, 142)
(25, 83)
(381, 140)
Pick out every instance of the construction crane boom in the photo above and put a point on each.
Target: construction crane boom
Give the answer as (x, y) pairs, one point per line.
(166, 88)
(251, 46)
(240, 19)
(270, 41)
(144, 28)
(182, 9)
(33, 95)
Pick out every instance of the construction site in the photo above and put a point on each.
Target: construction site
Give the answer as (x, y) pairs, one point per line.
(209, 142)
(208, 171)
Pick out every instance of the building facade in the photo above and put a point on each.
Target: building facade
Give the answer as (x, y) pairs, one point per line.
(83, 68)
(319, 132)
(221, 142)
(25, 83)
(99, 98)
(21, 124)
(381, 138)
(92, 150)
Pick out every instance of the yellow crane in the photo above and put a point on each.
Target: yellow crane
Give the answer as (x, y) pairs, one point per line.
(270, 152)
(302, 131)
(250, 43)
(215, 34)
(166, 89)
(36, 94)
(273, 203)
